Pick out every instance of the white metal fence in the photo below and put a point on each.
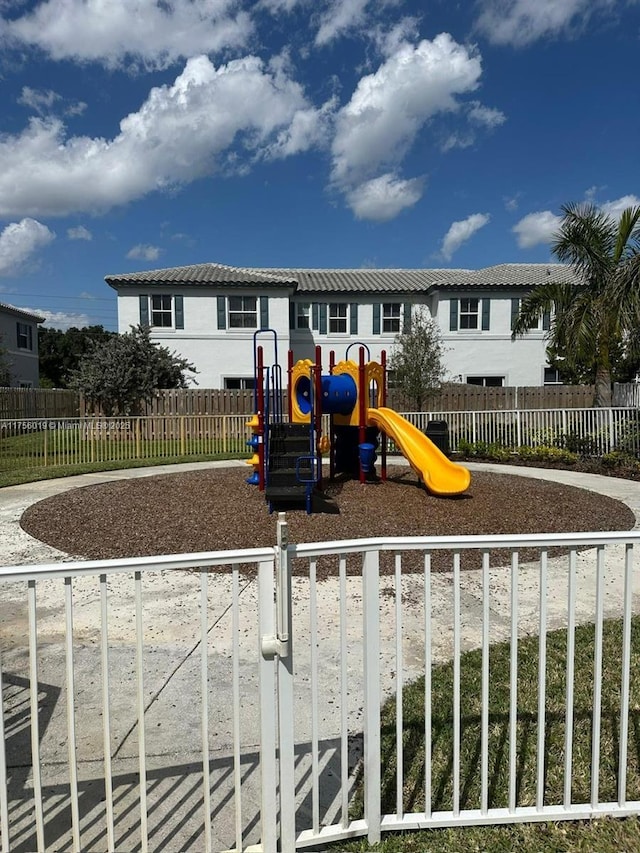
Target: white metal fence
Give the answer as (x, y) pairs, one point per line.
(175, 702)
(68, 442)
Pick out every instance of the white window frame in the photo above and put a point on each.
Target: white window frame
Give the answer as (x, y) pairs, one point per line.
(537, 323)
(469, 311)
(24, 336)
(391, 318)
(303, 315)
(486, 381)
(247, 312)
(245, 383)
(337, 315)
(158, 310)
(556, 381)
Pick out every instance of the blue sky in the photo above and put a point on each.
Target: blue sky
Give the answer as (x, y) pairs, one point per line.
(139, 134)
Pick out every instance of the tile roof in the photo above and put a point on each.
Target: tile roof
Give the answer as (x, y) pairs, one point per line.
(349, 280)
(201, 274)
(22, 312)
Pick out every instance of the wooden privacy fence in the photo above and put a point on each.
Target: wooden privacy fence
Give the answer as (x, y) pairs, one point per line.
(37, 442)
(39, 403)
(63, 403)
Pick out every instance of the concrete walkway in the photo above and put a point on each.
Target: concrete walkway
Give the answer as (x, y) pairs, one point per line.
(172, 675)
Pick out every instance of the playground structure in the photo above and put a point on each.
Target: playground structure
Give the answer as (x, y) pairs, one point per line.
(287, 453)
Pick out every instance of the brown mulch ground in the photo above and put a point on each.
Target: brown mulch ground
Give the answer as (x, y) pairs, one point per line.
(216, 510)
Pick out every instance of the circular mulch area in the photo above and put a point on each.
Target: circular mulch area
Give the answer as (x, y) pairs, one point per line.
(215, 509)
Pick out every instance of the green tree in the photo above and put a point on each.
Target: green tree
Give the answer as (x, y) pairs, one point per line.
(119, 373)
(416, 359)
(60, 352)
(594, 320)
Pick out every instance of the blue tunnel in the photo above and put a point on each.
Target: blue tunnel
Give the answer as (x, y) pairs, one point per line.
(339, 394)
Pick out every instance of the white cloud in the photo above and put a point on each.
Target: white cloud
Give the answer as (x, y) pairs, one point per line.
(536, 228)
(144, 252)
(42, 101)
(389, 107)
(477, 116)
(276, 6)
(486, 116)
(63, 320)
(308, 128)
(19, 241)
(461, 231)
(388, 40)
(383, 198)
(618, 206)
(511, 202)
(521, 22)
(343, 15)
(79, 233)
(155, 32)
(182, 132)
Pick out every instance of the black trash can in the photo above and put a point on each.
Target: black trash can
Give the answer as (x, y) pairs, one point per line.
(438, 432)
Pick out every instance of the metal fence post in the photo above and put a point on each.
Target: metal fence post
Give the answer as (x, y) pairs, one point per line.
(371, 642)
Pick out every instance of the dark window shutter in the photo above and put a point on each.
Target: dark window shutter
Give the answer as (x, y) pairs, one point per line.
(222, 312)
(315, 316)
(546, 321)
(18, 335)
(322, 325)
(292, 315)
(179, 309)
(353, 318)
(407, 316)
(515, 310)
(376, 318)
(144, 310)
(453, 315)
(264, 312)
(486, 303)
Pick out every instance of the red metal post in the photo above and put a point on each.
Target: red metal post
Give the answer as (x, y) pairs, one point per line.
(332, 449)
(317, 409)
(289, 385)
(362, 406)
(260, 413)
(382, 401)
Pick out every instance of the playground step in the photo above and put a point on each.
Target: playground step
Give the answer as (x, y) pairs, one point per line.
(289, 460)
(286, 493)
(290, 429)
(289, 444)
(287, 477)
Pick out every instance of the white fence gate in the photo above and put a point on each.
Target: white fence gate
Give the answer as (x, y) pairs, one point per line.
(232, 700)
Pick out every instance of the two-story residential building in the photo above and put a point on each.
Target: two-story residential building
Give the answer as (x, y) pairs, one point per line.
(19, 340)
(208, 313)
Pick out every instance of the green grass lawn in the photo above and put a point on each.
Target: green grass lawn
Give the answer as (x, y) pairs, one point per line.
(59, 453)
(602, 835)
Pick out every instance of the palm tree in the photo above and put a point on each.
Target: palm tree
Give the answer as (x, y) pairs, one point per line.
(598, 315)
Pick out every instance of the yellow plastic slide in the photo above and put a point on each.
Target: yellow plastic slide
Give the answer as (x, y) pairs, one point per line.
(440, 475)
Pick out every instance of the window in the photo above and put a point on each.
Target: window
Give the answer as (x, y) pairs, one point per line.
(162, 311)
(486, 381)
(338, 317)
(540, 324)
(552, 376)
(239, 383)
(391, 317)
(243, 312)
(469, 313)
(25, 336)
(303, 315)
